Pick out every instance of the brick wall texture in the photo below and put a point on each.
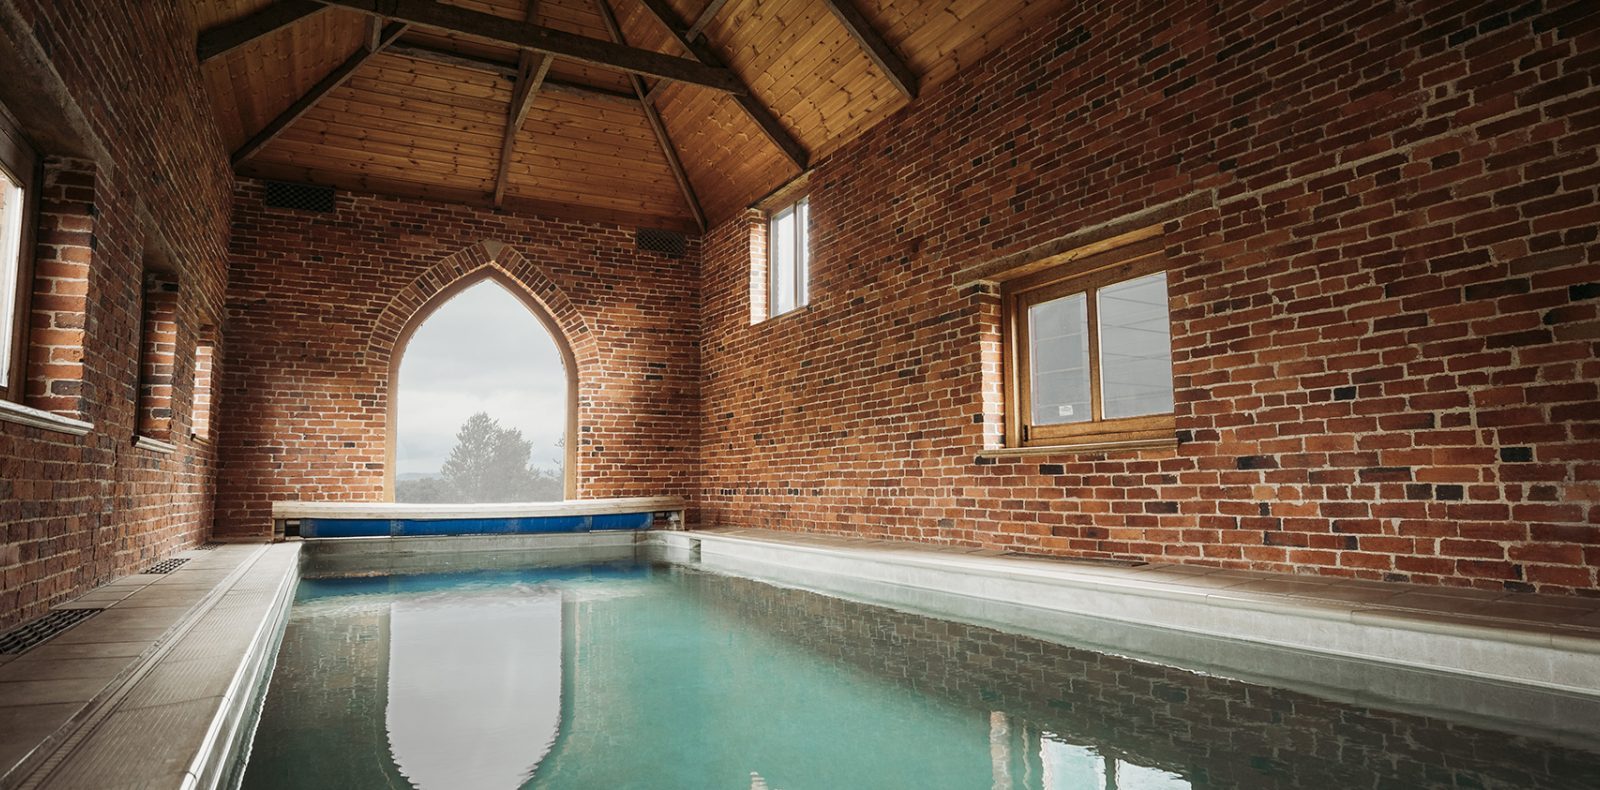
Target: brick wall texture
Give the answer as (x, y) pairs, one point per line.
(317, 304)
(1385, 320)
(148, 174)
(1385, 306)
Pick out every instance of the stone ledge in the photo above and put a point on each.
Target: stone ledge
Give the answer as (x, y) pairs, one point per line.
(38, 418)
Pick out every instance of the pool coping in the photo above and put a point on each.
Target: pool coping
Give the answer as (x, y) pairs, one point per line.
(1465, 632)
(173, 716)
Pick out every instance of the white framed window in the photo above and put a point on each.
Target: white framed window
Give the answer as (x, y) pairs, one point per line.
(18, 166)
(789, 258)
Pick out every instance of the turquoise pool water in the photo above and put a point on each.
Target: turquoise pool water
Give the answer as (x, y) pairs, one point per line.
(646, 675)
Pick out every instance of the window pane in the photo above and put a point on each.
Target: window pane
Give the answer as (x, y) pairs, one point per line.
(783, 262)
(802, 226)
(10, 259)
(1135, 348)
(1058, 342)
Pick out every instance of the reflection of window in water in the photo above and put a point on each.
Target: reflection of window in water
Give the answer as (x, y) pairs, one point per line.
(1066, 766)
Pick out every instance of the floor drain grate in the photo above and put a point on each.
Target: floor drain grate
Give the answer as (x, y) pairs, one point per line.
(167, 566)
(207, 547)
(23, 637)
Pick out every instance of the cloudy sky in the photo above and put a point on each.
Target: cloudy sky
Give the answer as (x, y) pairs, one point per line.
(480, 351)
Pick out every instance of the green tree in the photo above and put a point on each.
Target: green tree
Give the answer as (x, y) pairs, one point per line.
(490, 463)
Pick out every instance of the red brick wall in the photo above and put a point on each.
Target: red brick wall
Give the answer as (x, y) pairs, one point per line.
(1385, 324)
(317, 303)
(134, 163)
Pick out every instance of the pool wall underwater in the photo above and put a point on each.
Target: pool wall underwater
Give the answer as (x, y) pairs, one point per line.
(1048, 603)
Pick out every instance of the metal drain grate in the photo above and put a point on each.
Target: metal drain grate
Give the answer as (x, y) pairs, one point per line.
(23, 637)
(207, 547)
(167, 566)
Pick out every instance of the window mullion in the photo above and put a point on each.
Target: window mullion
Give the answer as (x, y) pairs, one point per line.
(1092, 302)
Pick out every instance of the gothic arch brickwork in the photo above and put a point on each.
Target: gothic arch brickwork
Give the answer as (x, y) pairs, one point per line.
(318, 302)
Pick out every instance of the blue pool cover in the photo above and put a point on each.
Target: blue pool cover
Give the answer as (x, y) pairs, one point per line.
(523, 525)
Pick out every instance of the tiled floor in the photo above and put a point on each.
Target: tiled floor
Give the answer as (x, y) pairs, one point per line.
(142, 678)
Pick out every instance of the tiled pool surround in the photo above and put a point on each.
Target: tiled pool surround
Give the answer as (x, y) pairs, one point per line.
(184, 676)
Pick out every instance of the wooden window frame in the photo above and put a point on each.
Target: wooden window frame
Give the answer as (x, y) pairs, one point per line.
(1086, 275)
(802, 269)
(21, 162)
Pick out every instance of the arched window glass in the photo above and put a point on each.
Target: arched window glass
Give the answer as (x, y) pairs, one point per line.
(481, 404)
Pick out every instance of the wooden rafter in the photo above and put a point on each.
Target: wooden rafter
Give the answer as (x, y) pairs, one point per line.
(547, 41)
(656, 126)
(758, 112)
(508, 71)
(706, 15)
(227, 37)
(531, 72)
(326, 85)
(883, 56)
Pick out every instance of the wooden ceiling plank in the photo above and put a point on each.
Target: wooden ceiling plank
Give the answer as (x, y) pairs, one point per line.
(547, 41)
(654, 118)
(879, 50)
(228, 37)
(758, 112)
(325, 86)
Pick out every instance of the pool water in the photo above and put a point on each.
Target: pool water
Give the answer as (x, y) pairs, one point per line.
(633, 674)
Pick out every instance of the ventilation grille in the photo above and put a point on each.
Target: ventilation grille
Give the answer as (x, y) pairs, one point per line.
(667, 242)
(167, 566)
(300, 197)
(21, 638)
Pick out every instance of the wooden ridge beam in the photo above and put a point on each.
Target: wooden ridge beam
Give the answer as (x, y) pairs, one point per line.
(508, 71)
(547, 41)
(758, 112)
(530, 76)
(656, 126)
(227, 37)
(326, 85)
(876, 48)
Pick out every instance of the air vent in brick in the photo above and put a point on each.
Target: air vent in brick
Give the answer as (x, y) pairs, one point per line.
(300, 197)
(666, 242)
(23, 637)
(167, 566)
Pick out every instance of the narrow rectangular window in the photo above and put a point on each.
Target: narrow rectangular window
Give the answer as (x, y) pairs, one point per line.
(200, 409)
(1089, 357)
(18, 170)
(789, 258)
(158, 349)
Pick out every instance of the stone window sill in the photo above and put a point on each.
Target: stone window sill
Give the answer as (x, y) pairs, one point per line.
(154, 445)
(1167, 442)
(38, 418)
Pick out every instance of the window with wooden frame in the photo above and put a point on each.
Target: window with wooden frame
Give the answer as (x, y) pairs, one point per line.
(18, 196)
(789, 258)
(1089, 352)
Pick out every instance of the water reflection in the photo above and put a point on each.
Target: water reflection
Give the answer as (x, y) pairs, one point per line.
(474, 686)
(632, 676)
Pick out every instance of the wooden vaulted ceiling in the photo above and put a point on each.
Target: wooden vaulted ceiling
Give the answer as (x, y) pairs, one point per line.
(392, 96)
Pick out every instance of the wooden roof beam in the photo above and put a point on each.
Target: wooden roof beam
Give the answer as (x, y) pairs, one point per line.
(706, 15)
(876, 48)
(547, 41)
(504, 70)
(656, 126)
(227, 37)
(758, 112)
(530, 76)
(326, 85)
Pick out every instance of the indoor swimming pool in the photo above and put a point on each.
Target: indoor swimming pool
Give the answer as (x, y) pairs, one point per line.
(619, 672)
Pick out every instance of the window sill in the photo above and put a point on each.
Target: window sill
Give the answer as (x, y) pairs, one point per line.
(38, 418)
(154, 445)
(802, 309)
(1165, 442)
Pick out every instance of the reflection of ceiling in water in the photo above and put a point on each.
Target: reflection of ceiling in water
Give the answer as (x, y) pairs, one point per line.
(474, 688)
